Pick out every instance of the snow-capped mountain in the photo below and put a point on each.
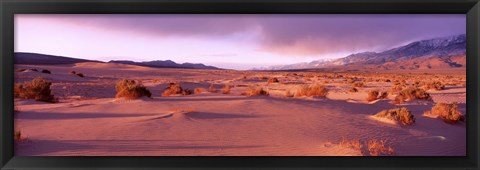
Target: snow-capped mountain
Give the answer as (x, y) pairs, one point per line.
(445, 52)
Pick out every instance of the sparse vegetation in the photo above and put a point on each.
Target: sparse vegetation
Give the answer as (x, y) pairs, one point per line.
(72, 72)
(435, 85)
(255, 91)
(187, 92)
(384, 95)
(212, 89)
(352, 144)
(131, 89)
(37, 89)
(372, 95)
(289, 94)
(353, 90)
(379, 148)
(315, 90)
(401, 115)
(411, 93)
(273, 80)
(226, 89)
(199, 90)
(374, 147)
(174, 88)
(447, 112)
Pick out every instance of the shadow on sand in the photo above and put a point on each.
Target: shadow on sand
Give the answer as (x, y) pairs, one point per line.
(50, 147)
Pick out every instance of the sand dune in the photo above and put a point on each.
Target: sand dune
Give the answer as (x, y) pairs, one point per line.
(88, 120)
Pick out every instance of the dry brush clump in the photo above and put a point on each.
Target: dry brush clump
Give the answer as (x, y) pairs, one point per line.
(373, 147)
(37, 89)
(131, 89)
(199, 90)
(255, 91)
(372, 95)
(212, 89)
(76, 73)
(174, 88)
(352, 144)
(226, 89)
(273, 80)
(435, 85)
(315, 90)
(411, 93)
(379, 148)
(447, 112)
(353, 90)
(288, 93)
(401, 115)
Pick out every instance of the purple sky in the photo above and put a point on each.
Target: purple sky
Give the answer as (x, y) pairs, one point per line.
(227, 41)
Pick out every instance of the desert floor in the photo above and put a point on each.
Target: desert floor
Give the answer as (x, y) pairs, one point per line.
(89, 121)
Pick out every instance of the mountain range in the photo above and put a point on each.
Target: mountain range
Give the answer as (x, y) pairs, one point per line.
(165, 64)
(437, 53)
(34, 58)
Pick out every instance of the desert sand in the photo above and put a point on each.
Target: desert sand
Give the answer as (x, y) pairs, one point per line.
(89, 121)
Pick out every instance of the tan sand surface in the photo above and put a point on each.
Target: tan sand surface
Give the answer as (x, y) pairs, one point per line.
(89, 121)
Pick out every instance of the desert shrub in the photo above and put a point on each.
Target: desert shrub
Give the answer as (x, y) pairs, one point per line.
(352, 144)
(316, 90)
(353, 90)
(199, 90)
(435, 85)
(37, 89)
(79, 74)
(383, 95)
(131, 89)
(33, 69)
(226, 89)
(289, 94)
(187, 92)
(212, 89)
(372, 95)
(46, 71)
(396, 88)
(255, 91)
(399, 99)
(447, 112)
(411, 93)
(172, 89)
(273, 80)
(401, 115)
(378, 148)
(72, 72)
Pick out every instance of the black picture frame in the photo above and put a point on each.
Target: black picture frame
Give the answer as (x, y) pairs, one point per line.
(9, 8)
